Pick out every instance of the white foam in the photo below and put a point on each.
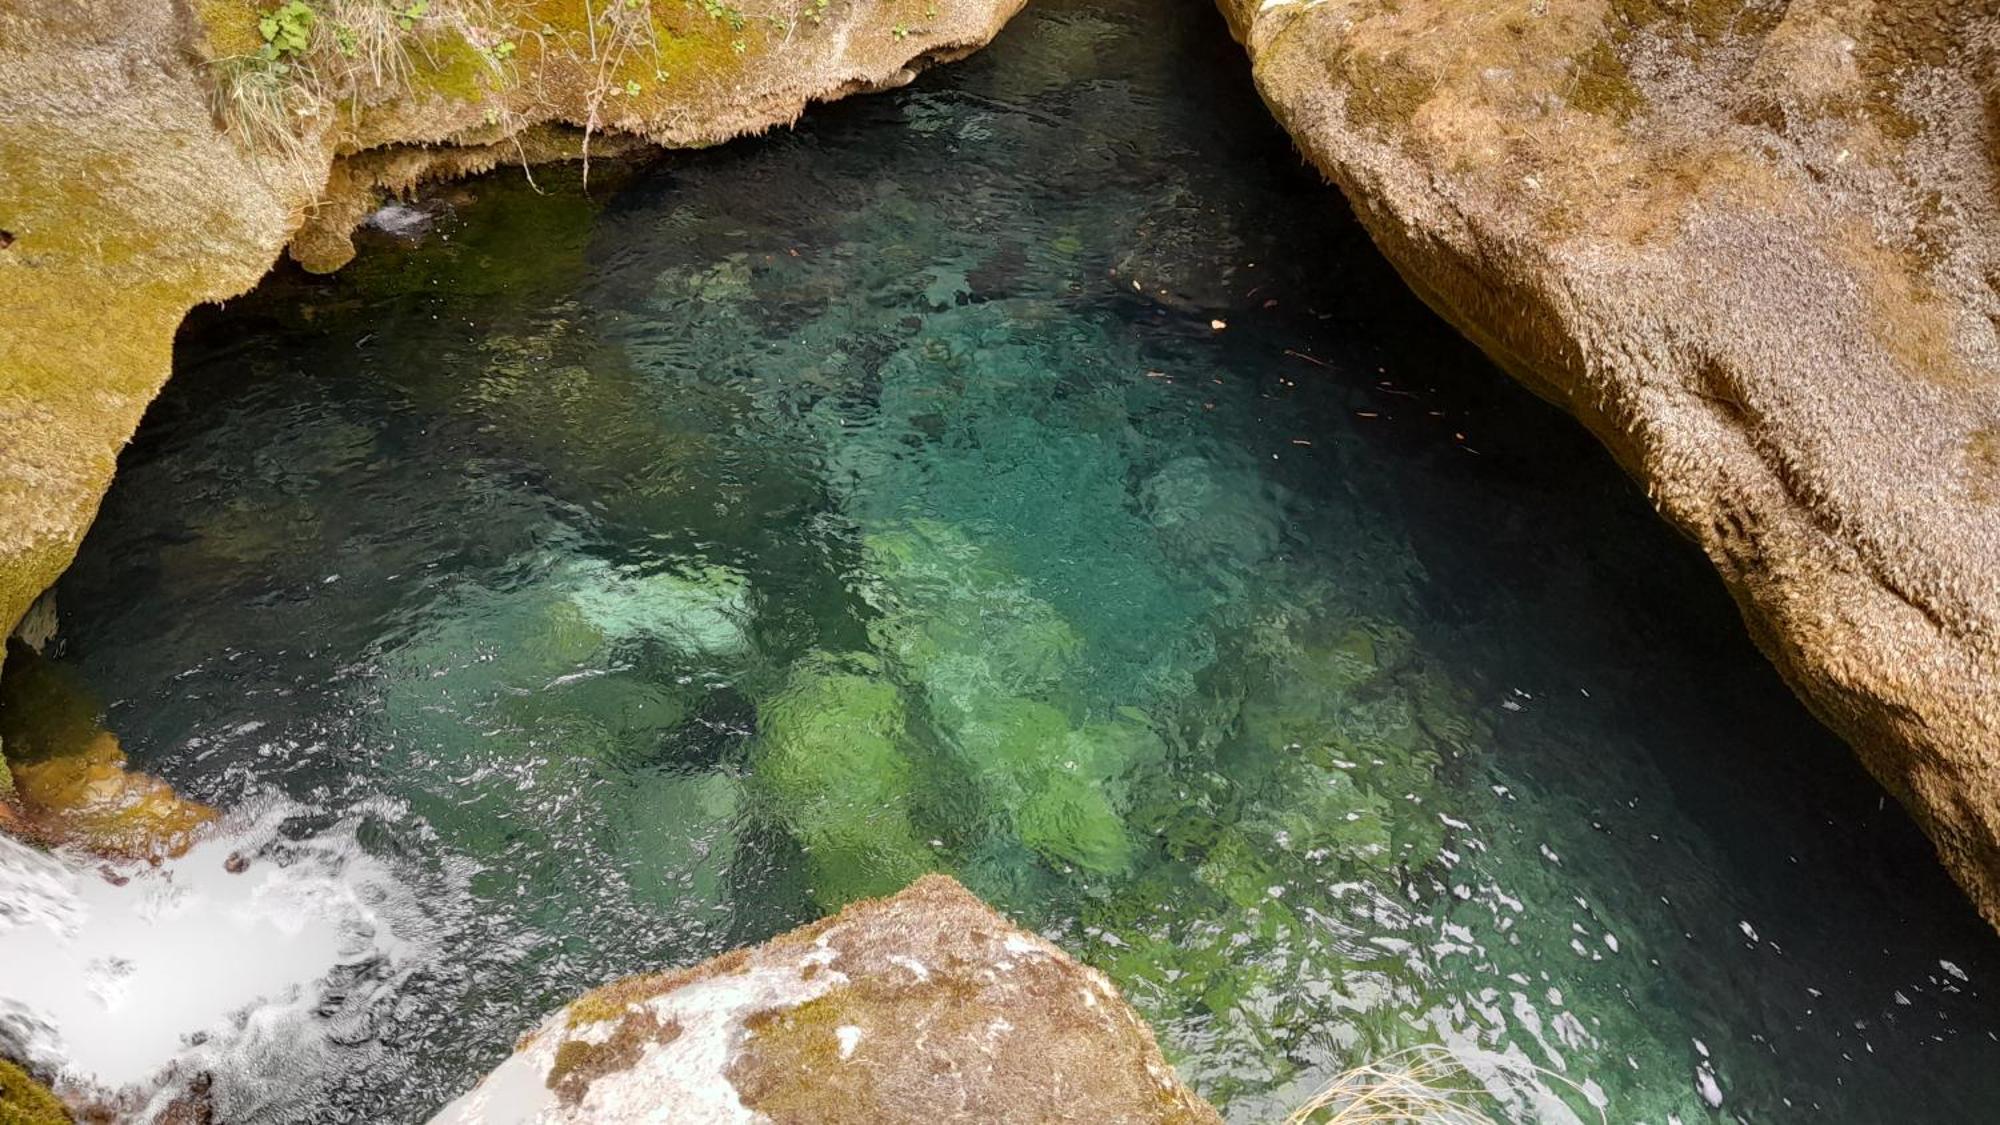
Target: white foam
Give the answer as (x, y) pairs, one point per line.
(110, 983)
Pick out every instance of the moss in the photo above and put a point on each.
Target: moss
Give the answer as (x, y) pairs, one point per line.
(1381, 89)
(1604, 85)
(597, 1007)
(579, 1063)
(1982, 458)
(613, 1001)
(807, 1035)
(24, 1101)
(1699, 25)
(675, 44)
(791, 1069)
(450, 66)
(229, 27)
(706, 53)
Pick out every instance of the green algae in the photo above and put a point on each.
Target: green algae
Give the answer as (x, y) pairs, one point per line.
(450, 65)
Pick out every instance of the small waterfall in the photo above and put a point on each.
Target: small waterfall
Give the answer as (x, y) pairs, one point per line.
(130, 979)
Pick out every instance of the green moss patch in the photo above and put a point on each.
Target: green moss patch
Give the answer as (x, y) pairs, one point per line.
(24, 1101)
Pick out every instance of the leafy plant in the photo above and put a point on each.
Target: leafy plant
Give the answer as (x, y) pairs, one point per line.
(407, 17)
(287, 29)
(718, 10)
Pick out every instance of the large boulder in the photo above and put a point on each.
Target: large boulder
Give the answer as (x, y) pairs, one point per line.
(1754, 245)
(920, 1008)
(156, 154)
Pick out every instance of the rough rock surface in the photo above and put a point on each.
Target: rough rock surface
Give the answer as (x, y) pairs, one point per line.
(1754, 245)
(919, 1008)
(150, 162)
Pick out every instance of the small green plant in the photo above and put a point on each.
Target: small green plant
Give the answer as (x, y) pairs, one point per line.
(345, 42)
(287, 29)
(900, 31)
(407, 16)
(718, 10)
(817, 13)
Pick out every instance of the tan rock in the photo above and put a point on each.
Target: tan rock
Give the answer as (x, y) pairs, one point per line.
(920, 1008)
(69, 783)
(150, 162)
(1755, 247)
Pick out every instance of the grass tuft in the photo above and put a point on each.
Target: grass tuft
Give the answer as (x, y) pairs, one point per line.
(1425, 1085)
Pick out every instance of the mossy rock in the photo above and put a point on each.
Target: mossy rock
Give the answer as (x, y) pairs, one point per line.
(832, 760)
(878, 1016)
(24, 1101)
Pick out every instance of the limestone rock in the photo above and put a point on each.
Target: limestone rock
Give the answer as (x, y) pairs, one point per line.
(1754, 245)
(924, 1007)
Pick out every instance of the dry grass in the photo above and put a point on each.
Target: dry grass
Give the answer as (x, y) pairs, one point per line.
(360, 52)
(1424, 1085)
(361, 44)
(266, 107)
(628, 31)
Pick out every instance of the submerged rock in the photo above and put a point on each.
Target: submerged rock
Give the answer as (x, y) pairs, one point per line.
(1753, 246)
(68, 779)
(832, 757)
(922, 1007)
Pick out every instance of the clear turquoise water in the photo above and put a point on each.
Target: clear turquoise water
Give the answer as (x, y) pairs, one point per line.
(641, 573)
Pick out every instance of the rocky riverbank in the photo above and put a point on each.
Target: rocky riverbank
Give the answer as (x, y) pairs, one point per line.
(1755, 247)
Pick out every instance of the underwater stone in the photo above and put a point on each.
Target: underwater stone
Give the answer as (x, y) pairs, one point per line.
(830, 757)
(926, 1006)
(706, 611)
(69, 781)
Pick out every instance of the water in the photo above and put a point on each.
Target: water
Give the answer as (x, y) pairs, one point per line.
(613, 579)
